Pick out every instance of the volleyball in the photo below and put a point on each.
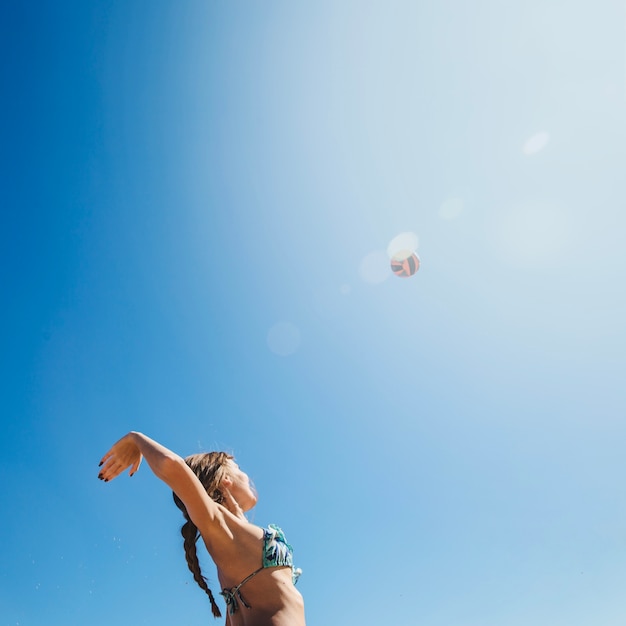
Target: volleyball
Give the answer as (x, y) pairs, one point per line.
(405, 266)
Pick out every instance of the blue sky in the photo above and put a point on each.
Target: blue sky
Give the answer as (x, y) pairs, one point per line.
(197, 201)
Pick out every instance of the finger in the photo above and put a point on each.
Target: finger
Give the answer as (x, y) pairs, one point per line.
(135, 466)
(112, 470)
(104, 459)
(113, 451)
(231, 504)
(104, 470)
(107, 459)
(110, 463)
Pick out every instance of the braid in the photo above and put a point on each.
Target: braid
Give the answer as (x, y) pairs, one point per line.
(210, 468)
(191, 534)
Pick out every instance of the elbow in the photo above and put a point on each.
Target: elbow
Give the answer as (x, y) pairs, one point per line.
(170, 466)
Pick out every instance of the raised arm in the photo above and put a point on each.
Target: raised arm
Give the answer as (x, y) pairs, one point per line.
(167, 466)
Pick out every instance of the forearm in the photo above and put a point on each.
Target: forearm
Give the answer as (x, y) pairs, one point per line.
(128, 452)
(174, 472)
(160, 459)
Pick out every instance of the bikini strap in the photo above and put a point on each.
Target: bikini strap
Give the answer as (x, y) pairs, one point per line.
(231, 596)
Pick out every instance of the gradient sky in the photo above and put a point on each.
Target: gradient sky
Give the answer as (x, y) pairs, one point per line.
(197, 199)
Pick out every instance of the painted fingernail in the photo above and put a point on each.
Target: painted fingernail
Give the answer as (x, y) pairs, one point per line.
(100, 464)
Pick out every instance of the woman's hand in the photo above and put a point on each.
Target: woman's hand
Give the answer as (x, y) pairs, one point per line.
(125, 453)
(231, 504)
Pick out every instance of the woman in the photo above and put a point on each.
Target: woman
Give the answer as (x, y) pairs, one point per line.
(254, 565)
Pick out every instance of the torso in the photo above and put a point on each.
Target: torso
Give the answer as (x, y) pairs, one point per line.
(273, 600)
(237, 550)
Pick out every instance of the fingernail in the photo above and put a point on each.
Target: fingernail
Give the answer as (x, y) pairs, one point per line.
(100, 476)
(100, 464)
(106, 480)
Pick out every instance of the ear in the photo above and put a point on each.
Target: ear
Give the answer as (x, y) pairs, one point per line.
(227, 482)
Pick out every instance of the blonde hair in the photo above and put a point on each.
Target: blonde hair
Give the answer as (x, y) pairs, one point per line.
(210, 468)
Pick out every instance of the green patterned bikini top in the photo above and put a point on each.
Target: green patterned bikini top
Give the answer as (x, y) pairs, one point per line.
(276, 553)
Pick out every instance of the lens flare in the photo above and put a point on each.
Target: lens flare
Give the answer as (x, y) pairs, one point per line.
(374, 267)
(451, 208)
(402, 242)
(536, 143)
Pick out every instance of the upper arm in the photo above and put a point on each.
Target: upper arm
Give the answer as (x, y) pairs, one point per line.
(202, 510)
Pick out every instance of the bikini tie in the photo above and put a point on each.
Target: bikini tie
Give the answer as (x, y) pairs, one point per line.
(233, 596)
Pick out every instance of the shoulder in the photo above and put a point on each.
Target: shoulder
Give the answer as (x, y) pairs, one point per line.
(226, 529)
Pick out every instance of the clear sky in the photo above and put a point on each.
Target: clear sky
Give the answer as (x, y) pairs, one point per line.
(197, 198)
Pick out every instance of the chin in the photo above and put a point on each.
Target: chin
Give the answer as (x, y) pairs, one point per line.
(252, 503)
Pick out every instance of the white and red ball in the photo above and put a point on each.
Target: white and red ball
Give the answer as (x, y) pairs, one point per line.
(405, 265)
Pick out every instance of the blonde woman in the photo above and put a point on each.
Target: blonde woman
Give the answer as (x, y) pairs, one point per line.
(254, 565)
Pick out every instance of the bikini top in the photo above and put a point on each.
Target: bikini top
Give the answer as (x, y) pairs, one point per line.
(276, 553)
